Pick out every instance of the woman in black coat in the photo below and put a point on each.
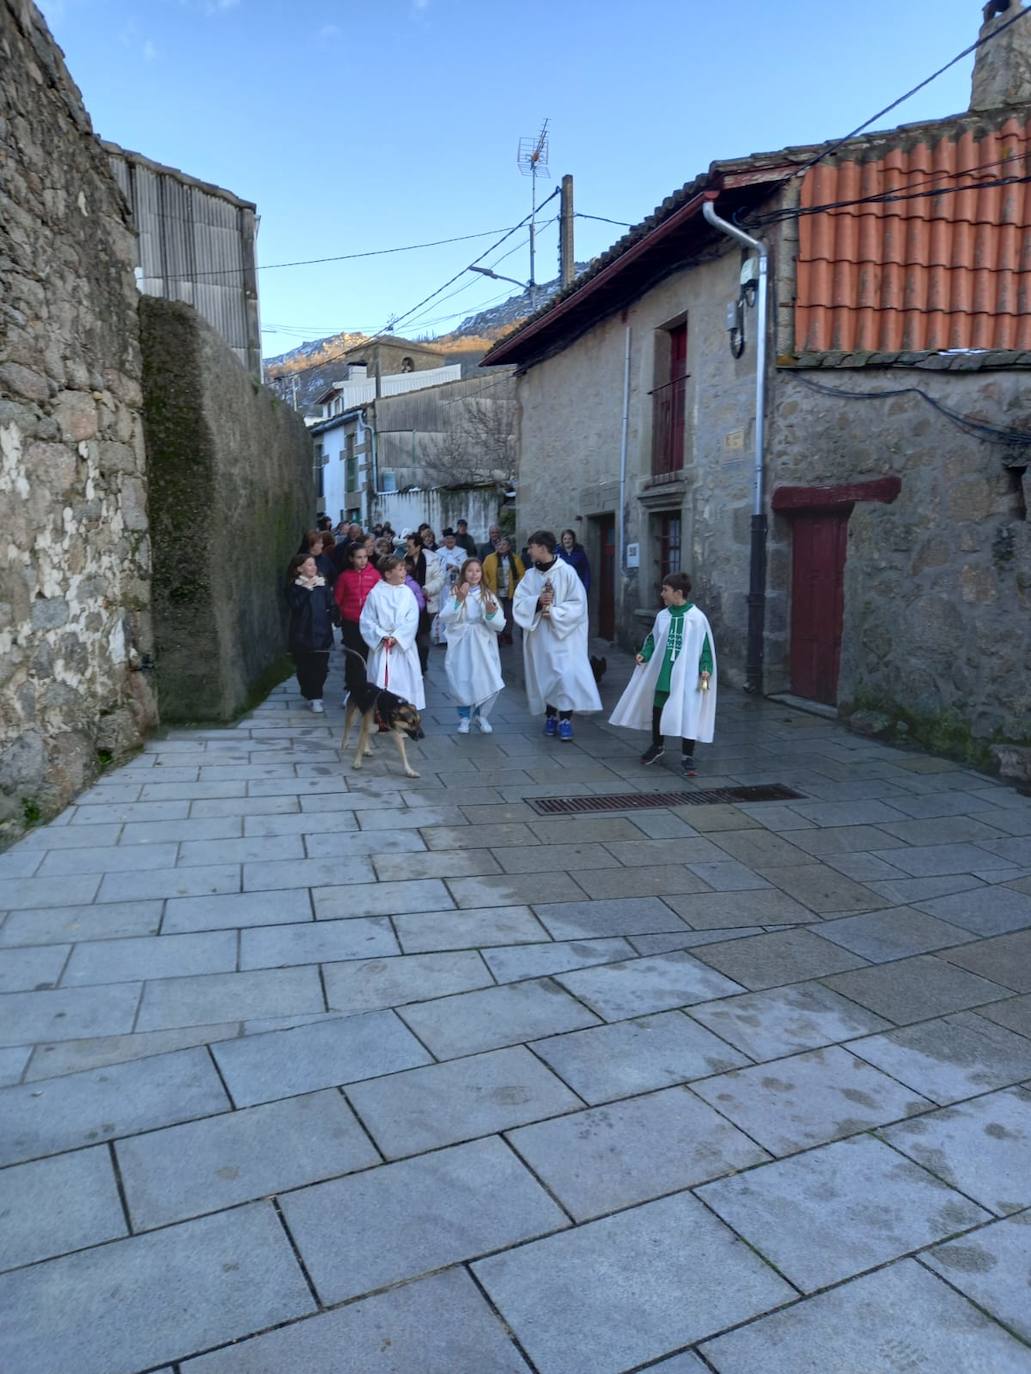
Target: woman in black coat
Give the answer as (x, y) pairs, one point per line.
(311, 627)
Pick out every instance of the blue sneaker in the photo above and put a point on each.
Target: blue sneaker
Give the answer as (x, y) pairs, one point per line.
(551, 727)
(565, 731)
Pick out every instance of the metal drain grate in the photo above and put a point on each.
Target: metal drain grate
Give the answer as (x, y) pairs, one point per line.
(640, 801)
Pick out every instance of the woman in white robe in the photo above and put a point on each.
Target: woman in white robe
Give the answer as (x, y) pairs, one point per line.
(473, 619)
(551, 606)
(389, 624)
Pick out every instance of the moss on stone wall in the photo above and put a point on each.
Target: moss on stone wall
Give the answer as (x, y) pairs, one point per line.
(944, 732)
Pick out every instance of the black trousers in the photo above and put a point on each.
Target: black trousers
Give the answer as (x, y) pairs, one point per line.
(686, 745)
(422, 639)
(554, 711)
(352, 638)
(312, 667)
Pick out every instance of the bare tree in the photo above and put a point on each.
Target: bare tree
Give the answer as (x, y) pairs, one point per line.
(477, 442)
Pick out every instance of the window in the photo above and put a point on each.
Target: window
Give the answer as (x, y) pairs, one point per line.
(351, 463)
(319, 460)
(669, 400)
(669, 554)
(407, 365)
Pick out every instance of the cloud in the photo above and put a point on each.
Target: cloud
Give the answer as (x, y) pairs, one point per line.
(330, 31)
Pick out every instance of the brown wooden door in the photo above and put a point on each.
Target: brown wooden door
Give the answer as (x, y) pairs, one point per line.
(607, 577)
(820, 543)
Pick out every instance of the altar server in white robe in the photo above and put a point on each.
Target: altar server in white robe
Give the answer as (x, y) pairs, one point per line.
(389, 623)
(551, 606)
(473, 619)
(673, 689)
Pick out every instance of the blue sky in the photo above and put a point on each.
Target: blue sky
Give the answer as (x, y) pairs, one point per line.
(368, 125)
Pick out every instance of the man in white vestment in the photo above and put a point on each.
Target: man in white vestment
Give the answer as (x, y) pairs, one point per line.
(551, 606)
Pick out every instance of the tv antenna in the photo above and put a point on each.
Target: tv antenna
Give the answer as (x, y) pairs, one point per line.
(532, 161)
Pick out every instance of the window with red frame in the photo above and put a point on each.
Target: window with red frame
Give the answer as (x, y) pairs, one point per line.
(669, 399)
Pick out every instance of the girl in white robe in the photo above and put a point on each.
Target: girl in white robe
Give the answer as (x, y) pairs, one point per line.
(551, 606)
(473, 619)
(389, 623)
(673, 689)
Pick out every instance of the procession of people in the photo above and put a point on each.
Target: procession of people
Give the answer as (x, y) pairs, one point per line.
(393, 598)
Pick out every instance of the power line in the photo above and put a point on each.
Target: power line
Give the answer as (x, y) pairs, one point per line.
(884, 198)
(340, 257)
(833, 147)
(603, 219)
(999, 434)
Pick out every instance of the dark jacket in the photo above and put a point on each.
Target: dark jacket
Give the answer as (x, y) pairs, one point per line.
(465, 541)
(311, 618)
(577, 559)
(327, 568)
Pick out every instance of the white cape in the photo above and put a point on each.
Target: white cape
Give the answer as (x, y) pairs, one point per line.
(393, 613)
(556, 663)
(689, 713)
(472, 661)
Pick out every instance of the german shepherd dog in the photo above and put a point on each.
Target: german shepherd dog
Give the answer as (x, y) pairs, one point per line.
(379, 708)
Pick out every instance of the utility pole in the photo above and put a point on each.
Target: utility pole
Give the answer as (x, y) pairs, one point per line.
(566, 256)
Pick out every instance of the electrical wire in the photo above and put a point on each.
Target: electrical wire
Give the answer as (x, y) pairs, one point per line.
(998, 434)
(603, 219)
(883, 198)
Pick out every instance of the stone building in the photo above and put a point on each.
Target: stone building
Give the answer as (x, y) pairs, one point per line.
(889, 564)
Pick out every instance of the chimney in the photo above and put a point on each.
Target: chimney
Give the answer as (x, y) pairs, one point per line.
(1002, 67)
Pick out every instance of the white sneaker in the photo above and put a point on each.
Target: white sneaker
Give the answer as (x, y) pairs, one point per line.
(463, 725)
(485, 725)
(318, 708)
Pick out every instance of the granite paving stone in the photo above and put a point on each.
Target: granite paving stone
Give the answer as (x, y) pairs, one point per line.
(196, 852)
(656, 853)
(1015, 850)
(316, 797)
(900, 890)
(1014, 1013)
(710, 818)
(169, 882)
(846, 839)
(61, 863)
(192, 1001)
(783, 956)
(616, 916)
(205, 1166)
(494, 1017)
(541, 858)
(516, 889)
(629, 1057)
(450, 1205)
(940, 830)
(232, 1274)
(720, 910)
(56, 1205)
(82, 1108)
(614, 1156)
(487, 836)
(380, 899)
(511, 963)
(925, 861)
(154, 956)
(191, 791)
(331, 844)
(783, 1021)
(438, 1325)
(915, 989)
(71, 1056)
(685, 1363)
(982, 910)
(661, 881)
(650, 983)
(442, 1104)
(993, 1268)
(981, 1147)
(159, 832)
(281, 801)
(809, 1099)
(119, 814)
(13, 1060)
(628, 1288)
(727, 876)
(368, 984)
(689, 939)
(283, 1063)
(316, 942)
(32, 968)
(444, 863)
(67, 1013)
(30, 893)
(67, 837)
(821, 888)
(757, 849)
(830, 1213)
(579, 829)
(829, 813)
(236, 909)
(420, 931)
(895, 933)
(952, 1058)
(299, 823)
(413, 818)
(264, 877)
(899, 1318)
(864, 868)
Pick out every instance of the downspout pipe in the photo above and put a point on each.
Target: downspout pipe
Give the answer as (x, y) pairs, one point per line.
(624, 435)
(757, 563)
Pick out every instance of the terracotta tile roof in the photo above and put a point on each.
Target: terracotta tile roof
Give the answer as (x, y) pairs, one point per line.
(942, 272)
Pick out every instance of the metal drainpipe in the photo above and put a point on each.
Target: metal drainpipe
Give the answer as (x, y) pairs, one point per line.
(624, 435)
(757, 566)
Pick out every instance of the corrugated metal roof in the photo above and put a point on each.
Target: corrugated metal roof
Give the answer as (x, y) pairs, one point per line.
(942, 272)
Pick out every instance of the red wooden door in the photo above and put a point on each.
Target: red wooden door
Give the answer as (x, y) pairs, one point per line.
(820, 543)
(607, 577)
(670, 407)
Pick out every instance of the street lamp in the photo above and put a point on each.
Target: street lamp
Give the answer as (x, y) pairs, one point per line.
(528, 286)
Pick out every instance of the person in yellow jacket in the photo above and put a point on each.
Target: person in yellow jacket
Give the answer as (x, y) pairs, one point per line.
(502, 572)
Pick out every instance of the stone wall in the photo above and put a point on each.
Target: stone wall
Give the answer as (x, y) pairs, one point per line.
(75, 549)
(230, 494)
(938, 583)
